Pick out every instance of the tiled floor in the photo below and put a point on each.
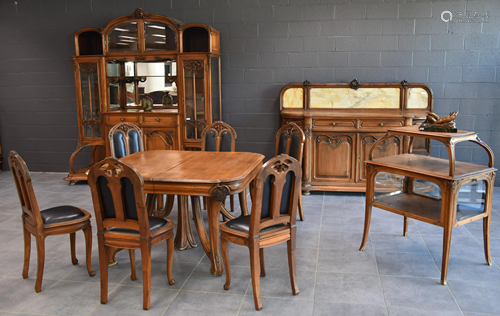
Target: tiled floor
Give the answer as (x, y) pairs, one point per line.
(394, 275)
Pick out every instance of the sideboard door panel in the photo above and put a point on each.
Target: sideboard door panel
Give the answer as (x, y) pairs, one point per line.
(392, 146)
(159, 139)
(332, 156)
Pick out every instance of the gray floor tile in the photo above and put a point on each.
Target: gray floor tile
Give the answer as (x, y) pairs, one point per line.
(407, 264)
(343, 240)
(348, 288)
(277, 306)
(17, 293)
(84, 297)
(460, 246)
(347, 261)
(276, 284)
(398, 243)
(405, 311)
(201, 280)
(205, 304)
(350, 224)
(474, 296)
(476, 229)
(128, 300)
(417, 293)
(328, 309)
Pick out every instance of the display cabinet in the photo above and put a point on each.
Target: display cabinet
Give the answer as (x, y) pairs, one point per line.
(342, 121)
(149, 70)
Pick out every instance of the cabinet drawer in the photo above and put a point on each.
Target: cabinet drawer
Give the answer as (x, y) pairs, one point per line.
(113, 120)
(380, 124)
(333, 123)
(158, 120)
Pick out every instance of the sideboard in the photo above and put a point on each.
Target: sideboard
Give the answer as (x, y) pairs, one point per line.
(342, 121)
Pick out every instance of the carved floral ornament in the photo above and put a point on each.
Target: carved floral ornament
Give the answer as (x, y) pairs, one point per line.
(193, 65)
(332, 140)
(308, 131)
(219, 193)
(88, 68)
(140, 14)
(111, 170)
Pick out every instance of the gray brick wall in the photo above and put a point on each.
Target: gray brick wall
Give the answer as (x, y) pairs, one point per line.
(265, 45)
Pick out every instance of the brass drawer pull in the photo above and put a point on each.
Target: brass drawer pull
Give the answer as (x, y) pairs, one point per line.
(122, 119)
(381, 124)
(158, 119)
(333, 124)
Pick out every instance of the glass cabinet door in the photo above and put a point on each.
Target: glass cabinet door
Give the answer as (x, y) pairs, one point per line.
(89, 98)
(194, 98)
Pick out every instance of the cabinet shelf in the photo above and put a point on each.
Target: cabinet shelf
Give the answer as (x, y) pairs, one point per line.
(416, 206)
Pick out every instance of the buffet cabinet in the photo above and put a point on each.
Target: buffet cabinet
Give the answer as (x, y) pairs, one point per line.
(342, 121)
(149, 70)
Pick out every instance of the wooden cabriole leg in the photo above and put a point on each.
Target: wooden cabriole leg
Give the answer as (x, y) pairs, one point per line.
(27, 251)
(486, 238)
(87, 231)
(199, 224)
(243, 202)
(291, 246)
(225, 257)
(170, 259)
(405, 226)
(253, 247)
(72, 242)
(40, 247)
(446, 253)
(133, 272)
(370, 177)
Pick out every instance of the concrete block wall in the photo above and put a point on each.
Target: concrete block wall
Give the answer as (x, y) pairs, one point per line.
(265, 45)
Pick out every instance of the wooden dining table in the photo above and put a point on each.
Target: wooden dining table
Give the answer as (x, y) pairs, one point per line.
(214, 175)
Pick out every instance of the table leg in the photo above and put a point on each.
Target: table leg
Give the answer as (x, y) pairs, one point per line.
(243, 202)
(184, 238)
(200, 224)
(405, 226)
(214, 205)
(446, 252)
(370, 179)
(486, 238)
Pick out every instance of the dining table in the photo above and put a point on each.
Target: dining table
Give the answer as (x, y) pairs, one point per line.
(214, 175)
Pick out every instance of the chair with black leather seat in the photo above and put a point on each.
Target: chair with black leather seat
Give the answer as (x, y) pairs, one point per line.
(272, 220)
(125, 139)
(122, 221)
(57, 220)
(290, 140)
(220, 136)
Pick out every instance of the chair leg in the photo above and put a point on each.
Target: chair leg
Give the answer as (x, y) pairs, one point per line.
(231, 202)
(40, 247)
(262, 263)
(27, 252)
(290, 244)
(146, 273)
(72, 242)
(254, 268)
(103, 267)
(301, 209)
(88, 249)
(170, 258)
(133, 274)
(225, 258)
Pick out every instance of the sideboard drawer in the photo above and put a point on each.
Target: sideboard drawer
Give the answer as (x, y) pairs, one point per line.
(380, 124)
(158, 120)
(113, 120)
(334, 123)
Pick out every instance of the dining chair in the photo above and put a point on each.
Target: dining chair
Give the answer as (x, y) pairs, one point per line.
(272, 220)
(122, 221)
(290, 140)
(220, 136)
(125, 139)
(57, 220)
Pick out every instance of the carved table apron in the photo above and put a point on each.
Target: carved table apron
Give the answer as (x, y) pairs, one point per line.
(195, 173)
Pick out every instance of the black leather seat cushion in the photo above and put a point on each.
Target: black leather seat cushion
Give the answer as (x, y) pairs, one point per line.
(242, 224)
(155, 223)
(61, 214)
